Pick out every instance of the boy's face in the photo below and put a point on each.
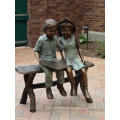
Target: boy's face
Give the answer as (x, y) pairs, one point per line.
(50, 32)
(66, 32)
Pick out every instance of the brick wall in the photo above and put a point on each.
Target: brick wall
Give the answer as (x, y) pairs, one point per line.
(82, 12)
(95, 14)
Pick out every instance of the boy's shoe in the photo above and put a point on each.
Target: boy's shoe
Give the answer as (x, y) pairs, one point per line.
(61, 90)
(49, 93)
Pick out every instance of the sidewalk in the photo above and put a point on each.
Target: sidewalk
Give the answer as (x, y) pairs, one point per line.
(61, 108)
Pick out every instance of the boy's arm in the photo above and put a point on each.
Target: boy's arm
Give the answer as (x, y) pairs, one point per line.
(37, 49)
(37, 56)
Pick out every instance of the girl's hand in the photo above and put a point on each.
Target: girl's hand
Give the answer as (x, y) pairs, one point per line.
(84, 62)
(64, 60)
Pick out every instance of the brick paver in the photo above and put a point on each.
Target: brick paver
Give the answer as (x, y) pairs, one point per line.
(61, 108)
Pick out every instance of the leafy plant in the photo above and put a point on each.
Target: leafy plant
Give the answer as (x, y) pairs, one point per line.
(103, 55)
(101, 51)
(103, 46)
(83, 39)
(98, 52)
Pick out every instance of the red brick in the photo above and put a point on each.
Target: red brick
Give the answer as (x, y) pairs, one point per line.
(80, 11)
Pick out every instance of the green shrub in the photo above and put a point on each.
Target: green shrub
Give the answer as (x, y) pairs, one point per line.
(98, 52)
(103, 55)
(83, 39)
(101, 52)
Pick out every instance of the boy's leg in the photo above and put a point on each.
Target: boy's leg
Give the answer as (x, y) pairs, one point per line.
(48, 81)
(60, 78)
(84, 85)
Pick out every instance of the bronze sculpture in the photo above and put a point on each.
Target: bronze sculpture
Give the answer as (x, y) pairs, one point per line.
(51, 64)
(71, 45)
(45, 52)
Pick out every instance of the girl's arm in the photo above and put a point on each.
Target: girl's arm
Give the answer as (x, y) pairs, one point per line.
(79, 50)
(62, 55)
(61, 49)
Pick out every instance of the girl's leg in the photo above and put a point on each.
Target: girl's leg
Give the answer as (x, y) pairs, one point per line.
(72, 81)
(84, 85)
(77, 81)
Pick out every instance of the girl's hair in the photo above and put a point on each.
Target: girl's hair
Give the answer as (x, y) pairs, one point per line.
(49, 23)
(66, 22)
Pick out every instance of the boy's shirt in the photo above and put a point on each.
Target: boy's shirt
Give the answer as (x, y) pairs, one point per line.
(47, 48)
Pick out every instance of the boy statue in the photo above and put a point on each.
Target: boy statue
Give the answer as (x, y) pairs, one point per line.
(45, 50)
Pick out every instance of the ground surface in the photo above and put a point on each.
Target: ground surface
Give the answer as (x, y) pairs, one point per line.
(61, 108)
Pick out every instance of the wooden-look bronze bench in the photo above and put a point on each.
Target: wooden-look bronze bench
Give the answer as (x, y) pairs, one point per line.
(29, 73)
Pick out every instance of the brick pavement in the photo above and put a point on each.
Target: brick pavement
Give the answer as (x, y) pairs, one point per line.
(61, 108)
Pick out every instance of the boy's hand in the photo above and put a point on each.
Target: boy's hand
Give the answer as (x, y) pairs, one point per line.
(39, 60)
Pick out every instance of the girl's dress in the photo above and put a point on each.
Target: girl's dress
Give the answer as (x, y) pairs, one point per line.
(71, 53)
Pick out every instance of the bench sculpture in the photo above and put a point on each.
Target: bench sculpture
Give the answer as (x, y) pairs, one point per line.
(29, 73)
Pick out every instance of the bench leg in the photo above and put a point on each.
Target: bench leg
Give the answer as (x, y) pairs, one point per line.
(28, 90)
(31, 93)
(24, 96)
(25, 92)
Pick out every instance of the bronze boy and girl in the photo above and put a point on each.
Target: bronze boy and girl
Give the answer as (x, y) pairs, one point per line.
(45, 50)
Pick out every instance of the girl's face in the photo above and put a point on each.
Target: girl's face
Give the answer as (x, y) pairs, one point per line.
(66, 32)
(50, 32)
